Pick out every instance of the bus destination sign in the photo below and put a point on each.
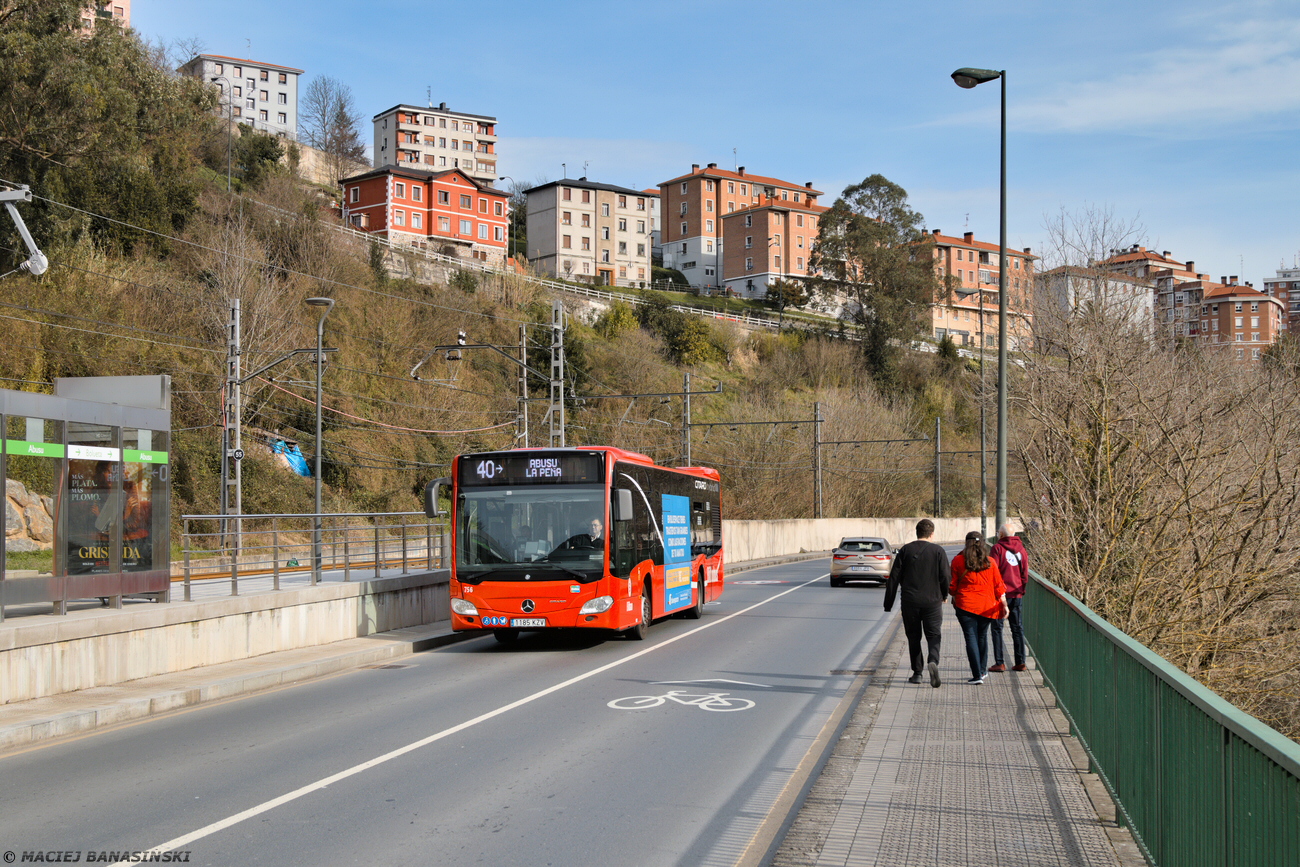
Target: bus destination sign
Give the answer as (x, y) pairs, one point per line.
(531, 468)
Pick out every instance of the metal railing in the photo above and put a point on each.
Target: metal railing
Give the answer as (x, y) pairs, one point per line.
(236, 547)
(1198, 781)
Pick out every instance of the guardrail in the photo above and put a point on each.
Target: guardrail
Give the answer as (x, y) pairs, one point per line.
(217, 546)
(1199, 781)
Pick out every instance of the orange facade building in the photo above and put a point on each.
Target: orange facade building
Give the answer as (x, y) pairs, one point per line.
(447, 212)
(975, 265)
(767, 241)
(692, 209)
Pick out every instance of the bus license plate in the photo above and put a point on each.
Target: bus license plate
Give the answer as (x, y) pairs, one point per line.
(528, 622)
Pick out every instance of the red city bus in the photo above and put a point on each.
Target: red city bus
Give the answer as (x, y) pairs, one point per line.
(531, 548)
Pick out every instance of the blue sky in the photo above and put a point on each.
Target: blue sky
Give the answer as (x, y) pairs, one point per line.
(1181, 116)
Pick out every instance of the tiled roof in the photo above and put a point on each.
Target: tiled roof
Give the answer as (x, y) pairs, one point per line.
(949, 241)
(245, 60)
(424, 175)
(747, 178)
(584, 184)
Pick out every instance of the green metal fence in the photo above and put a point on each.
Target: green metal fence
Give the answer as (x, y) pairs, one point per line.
(1199, 781)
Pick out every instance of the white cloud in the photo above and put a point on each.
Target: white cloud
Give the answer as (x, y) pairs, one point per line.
(1238, 72)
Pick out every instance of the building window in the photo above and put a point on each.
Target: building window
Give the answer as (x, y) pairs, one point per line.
(744, 189)
(749, 241)
(1238, 307)
(798, 219)
(417, 220)
(566, 194)
(444, 197)
(640, 273)
(604, 209)
(482, 206)
(219, 67)
(284, 78)
(282, 98)
(683, 228)
(622, 270)
(708, 225)
(417, 193)
(604, 233)
(640, 249)
(640, 204)
(749, 220)
(567, 242)
(238, 72)
(622, 225)
(399, 218)
(604, 255)
(708, 205)
(356, 194)
(586, 196)
(683, 186)
(466, 227)
(622, 248)
(498, 233)
(799, 264)
(640, 226)
(499, 209)
(400, 190)
(483, 231)
(731, 207)
(1254, 320)
(749, 264)
(586, 219)
(444, 224)
(261, 94)
(622, 201)
(466, 202)
(708, 246)
(683, 209)
(586, 243)
(796, 197)
(799, 241)
(566, 218)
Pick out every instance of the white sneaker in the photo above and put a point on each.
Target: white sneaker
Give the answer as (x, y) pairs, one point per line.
(975, 681)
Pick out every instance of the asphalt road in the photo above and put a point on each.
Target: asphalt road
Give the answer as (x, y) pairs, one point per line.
(479, 753)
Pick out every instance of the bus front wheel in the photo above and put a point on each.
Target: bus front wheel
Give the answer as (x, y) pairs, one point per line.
(506, 636)
(638, 632)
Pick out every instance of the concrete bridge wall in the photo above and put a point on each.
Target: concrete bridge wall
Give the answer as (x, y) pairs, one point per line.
(755, 540)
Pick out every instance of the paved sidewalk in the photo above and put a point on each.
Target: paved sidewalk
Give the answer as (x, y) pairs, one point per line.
(960, 775)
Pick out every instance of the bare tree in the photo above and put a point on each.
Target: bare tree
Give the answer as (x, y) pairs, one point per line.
(1165, 481)
(331, 123)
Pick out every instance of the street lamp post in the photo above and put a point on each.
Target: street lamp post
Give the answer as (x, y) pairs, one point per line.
(984, 469)
(968, 77)
(230, 120)
(328, 305)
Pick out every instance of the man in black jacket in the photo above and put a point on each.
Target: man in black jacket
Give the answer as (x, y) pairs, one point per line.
(920, 571)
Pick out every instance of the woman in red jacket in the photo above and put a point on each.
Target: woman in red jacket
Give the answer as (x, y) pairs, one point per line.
(979, 597)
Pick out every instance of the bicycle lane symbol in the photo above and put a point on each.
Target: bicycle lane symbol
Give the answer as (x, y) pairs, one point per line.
(721, 702)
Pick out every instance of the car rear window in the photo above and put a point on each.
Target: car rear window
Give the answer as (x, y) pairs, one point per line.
(862, 546)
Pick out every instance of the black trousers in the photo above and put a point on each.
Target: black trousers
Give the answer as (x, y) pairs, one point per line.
(927, 618)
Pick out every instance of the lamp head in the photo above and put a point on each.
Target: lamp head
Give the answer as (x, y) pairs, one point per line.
(320, 302)
(969, 77)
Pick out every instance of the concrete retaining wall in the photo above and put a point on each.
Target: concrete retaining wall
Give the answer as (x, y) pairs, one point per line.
(755, 540)
(65, 654)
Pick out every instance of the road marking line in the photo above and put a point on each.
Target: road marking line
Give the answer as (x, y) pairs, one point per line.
(267, 806)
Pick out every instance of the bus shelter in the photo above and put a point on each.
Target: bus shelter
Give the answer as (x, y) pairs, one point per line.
(87, 491)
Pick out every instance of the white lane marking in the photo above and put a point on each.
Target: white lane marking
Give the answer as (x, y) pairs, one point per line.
(267, 806)
(716, 701)
(714, 680)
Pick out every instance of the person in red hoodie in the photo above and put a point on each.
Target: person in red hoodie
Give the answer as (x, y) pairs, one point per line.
(1012, 561)
(979, 597)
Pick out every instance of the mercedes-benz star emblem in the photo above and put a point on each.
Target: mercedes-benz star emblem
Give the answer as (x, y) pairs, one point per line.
(528, 606)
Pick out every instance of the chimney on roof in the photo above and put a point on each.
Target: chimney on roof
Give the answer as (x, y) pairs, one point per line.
(1027, 249)
(695, 167)
(1133, 249)
(1223, 280)
(935, 231)
(713, 165)
(442, 106)
(970, 237)
(1233, 278)
(741, 171)
(808, 185)
(1165, 254)
(583, 178)
(1191, 266)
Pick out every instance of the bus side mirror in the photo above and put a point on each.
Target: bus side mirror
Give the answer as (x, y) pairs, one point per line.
(431, 497)
(622, 505)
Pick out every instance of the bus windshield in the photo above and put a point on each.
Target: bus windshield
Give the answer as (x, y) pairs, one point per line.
(552, 532)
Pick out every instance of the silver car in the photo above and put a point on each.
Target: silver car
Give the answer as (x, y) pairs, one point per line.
(861, 558)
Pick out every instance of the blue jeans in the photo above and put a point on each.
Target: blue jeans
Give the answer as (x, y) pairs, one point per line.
(976, 631)
(1017, 633)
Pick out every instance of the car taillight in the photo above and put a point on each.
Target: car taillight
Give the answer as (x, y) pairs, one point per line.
(843, 556)
(881, 556)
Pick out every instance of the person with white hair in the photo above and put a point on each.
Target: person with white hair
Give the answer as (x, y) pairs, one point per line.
(1013, 563)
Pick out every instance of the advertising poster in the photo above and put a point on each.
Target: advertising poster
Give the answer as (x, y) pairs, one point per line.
(93, 508)
(677, 552)
(137, 517)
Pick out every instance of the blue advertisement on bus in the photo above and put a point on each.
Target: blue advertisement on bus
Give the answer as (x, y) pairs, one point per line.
(677, 552)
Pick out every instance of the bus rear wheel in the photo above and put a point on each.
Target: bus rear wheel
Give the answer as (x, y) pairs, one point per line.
(506, 636)
(696, 611)
(638, 632)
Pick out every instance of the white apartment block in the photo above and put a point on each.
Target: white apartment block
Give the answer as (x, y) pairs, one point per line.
(262, 95)
(1285, 287)
(589, 232)
(437, 139)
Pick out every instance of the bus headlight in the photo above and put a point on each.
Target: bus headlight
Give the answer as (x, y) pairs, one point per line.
(599, 605)
(464, 607)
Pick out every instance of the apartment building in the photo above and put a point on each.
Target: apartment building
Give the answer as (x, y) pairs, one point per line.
(113, 10)
(262, 95)
(1137, 261)
(1226, 314)
(1285, 287)
(975, 265)
(437, 139)
(768, 241)
(591, 232)
(446, 212)
(1066, 292)
(692, 208)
